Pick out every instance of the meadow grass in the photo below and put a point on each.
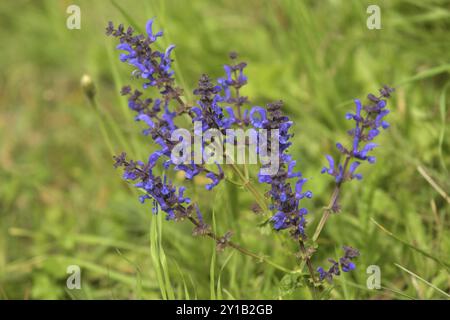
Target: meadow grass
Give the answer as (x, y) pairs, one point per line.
(62, 202)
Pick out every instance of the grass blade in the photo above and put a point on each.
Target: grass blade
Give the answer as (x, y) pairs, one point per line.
(154, 256)
(163, 261)
(127, 17)
(423, 280)
(433, 183)
(213, 264)
(443, 112)
(425, 74)
(219, 284)
(426, 254)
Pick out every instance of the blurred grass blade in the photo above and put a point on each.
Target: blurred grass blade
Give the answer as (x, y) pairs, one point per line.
(361, 287)
(127, 17)
(425, 74)
(219, 283)
(183, 280)
(138, 290)
(154, 256)
(114, 275)
(229, 294)
(423, 280)
(443, 112)
(399, 293)
(212, 278)
(86, 239)
(163, 261)
(426, 254)
(433, 183)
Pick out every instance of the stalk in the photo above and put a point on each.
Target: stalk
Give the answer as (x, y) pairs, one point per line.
(328, 209)
(242, 250)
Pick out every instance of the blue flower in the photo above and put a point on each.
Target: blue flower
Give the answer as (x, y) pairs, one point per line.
(331, 168)
(363, 153)
(214, 177)
(299, 194)
(167, 196)
(279, 221)
(337, 172)
(209, 111)
(352, 169)
(322, 273)
(258, 117)
(345, 264)
(237, 81)
(149, 30)
(152, 65)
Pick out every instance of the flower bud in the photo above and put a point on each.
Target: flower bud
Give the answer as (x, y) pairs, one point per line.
(88, 86)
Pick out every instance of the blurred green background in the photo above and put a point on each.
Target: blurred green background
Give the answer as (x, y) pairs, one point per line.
(62, 203)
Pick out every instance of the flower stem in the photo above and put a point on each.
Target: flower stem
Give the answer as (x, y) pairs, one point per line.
(326, 214)
(244, 251)
(332, 204)
(250, 187)
(307, 260)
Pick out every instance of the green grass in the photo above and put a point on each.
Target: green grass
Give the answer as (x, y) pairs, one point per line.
(62, 203)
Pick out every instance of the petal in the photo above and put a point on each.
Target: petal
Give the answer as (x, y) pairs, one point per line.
(149, 27)
(340, 147)
(372, 134)
(144, 117)
(368, 147)
(299, 185)
(227, 69)
(358, 107)
(353, 166)
(168, 51)
(331, 163)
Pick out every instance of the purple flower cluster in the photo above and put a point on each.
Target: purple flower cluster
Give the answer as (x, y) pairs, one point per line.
(367, 127)
(285, 199)
(345, 264)
(369, 120)
(235, 78)
(166, 195)
(209, 111)
(151, 65)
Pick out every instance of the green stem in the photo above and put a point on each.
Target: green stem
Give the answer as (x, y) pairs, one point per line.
(332, 203)
(250, 187)
(326, 214)
(103, 130)
(307, 260)
(244, 251)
